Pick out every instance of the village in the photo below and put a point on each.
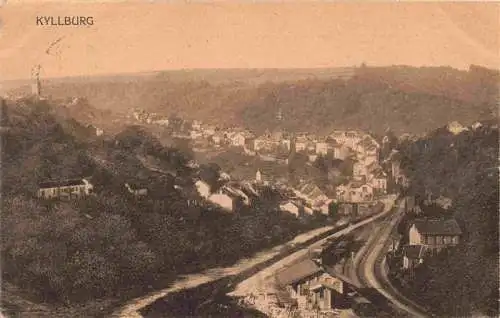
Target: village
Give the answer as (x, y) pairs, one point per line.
(360, 186)
(311, 286)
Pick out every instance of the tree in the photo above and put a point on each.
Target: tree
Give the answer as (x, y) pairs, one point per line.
(333, 209)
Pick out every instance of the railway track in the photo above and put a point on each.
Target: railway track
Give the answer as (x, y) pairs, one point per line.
(368, 273)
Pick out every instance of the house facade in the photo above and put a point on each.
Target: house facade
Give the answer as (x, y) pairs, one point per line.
(312, 287)
(355, 192)
(312, 194)
(321, 148)
(136, 189)
(222, 200)
(238, 139)
(71, 188)
(203, 188)
(359, 170)
(265, 142)
(291, 208)
(340, 152)
(434, 234)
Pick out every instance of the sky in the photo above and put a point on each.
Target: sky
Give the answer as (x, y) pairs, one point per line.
(141, 36)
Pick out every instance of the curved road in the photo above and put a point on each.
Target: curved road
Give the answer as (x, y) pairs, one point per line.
(371, 271)
(131, 309)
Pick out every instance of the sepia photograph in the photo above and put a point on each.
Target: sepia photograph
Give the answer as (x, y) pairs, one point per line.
(240, 159)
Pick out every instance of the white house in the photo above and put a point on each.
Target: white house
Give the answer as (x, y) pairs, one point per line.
(234, 192)
(286, 143)
(359, 170)
(218, 138)
(350, 139)
(312, 286)
(224, 176)
(476, 125)
(455, 127)
(222, 200)
(208, 130)
(290, 207)
(258, 176)
(340, 152)
(355, 192)
(161, 122)
(136, 189)
(65, 189)
(196, 125)
(312, 157)
(379, 181)
(238, 139)
(203, 188)
(301, 143)
(265, 142)
(361, 192)
(195, 134)
(341, 192)
(321, 148)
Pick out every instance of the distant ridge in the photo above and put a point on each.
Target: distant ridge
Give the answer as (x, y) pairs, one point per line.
(405, 98)
(210, 75)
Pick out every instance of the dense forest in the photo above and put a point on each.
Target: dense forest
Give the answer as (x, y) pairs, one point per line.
(112, 245)
(463, 168)
(406, 99)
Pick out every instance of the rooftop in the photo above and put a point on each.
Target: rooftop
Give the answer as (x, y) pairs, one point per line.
(297, 272)
(438, 227)
(137, 185)
(61, 183)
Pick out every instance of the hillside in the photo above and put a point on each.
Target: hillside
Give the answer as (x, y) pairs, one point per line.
(80, 257)
(463, 168)
(407, 99)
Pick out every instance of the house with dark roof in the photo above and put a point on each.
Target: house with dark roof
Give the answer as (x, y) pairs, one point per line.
(312, 286)
(64, 189)
(434, 233)
(137, 189)
(312, 194)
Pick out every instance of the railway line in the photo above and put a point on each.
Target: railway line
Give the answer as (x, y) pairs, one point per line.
(369, 273)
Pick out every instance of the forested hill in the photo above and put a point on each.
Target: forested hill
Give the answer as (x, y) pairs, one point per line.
(463, 168)
(81, 256)
(407, 99)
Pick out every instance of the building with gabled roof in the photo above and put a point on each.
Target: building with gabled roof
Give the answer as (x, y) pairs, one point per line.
(312, 194)
(235, 193)
(355, 191)
(291, 208)
(222, 200)
(68, 188)
(378, 180)
(136, 188)
(312, 286)
(434, 233)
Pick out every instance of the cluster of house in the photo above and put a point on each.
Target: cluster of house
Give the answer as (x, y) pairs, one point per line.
(368, 179)
(305, 200)
(77, 188)
(229, 196)
(427, 237)
(310, 287)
